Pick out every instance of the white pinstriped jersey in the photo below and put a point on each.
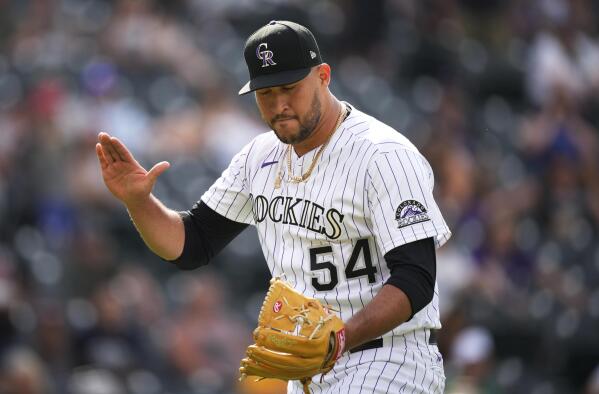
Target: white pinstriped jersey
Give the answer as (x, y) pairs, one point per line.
(370, 192)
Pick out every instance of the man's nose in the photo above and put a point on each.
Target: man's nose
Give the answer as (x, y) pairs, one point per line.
(281, 103)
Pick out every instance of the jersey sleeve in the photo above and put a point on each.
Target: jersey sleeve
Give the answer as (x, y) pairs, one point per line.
(400, 198)
(230, 195)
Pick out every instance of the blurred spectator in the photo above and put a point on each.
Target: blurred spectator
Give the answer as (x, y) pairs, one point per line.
(205, 343)
(95, 381)
(113, 342)
(23, 372)
(505, 272)
(472, 357)
(564, 56)
(137, 33)
(52, 342)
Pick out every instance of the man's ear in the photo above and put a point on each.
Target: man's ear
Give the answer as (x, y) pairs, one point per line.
(324, 74)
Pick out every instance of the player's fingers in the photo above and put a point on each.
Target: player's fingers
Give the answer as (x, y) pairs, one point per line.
(158, 169)
(101, 158)
(109, 151)
(121, 150)
(279, 342)
(283, 361)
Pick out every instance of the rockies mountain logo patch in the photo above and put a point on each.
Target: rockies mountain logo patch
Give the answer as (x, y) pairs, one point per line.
(410, 212)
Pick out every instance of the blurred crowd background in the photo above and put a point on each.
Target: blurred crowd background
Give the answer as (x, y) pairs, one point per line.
(502, 97)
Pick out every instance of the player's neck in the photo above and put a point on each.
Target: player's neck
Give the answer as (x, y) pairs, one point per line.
(323, 130)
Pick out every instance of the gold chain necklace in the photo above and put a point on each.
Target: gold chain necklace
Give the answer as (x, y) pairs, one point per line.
(298, 179)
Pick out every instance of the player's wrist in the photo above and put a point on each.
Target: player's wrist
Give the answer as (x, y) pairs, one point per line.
(350, 336)
(137, 202)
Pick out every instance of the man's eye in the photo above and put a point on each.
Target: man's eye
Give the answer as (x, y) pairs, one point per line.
(288, 87)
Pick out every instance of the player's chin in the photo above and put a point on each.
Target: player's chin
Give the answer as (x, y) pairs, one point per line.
(287, 135)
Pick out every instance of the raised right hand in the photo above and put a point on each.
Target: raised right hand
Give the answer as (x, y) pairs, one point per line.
(126, 179)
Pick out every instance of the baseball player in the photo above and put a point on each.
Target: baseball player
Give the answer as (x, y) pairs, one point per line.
(344, 209)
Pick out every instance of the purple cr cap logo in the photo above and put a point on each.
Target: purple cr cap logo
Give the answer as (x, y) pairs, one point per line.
(265, 55)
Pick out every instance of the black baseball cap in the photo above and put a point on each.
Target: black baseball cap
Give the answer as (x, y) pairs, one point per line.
(279, 53)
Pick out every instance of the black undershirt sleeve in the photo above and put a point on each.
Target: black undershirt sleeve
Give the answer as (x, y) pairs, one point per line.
(413, 270)
(206, 233)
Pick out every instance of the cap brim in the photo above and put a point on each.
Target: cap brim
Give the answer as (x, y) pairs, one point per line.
(276, 79)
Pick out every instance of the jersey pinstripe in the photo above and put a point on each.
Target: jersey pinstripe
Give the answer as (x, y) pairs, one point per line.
(370, 192)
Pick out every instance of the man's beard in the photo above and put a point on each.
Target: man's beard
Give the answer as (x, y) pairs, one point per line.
(306, 125)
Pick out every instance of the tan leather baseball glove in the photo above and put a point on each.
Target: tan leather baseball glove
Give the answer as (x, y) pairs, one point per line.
(297, 337)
